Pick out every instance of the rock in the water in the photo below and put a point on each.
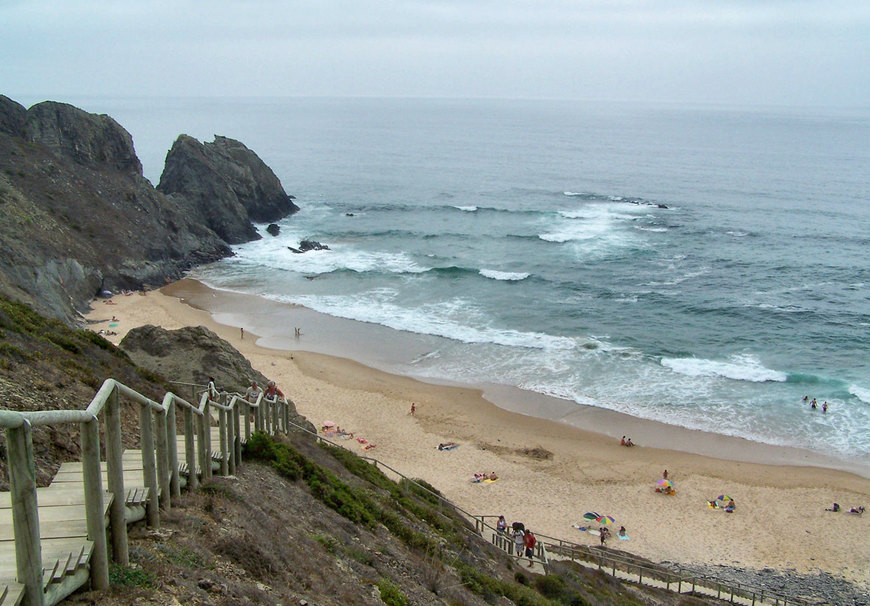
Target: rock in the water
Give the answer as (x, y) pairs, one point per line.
(306, 245)
(273, 229)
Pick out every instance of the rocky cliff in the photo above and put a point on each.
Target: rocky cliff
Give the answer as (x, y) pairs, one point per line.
(227, 184)
(77, 216)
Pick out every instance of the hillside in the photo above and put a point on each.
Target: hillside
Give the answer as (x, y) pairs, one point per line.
(300, 523)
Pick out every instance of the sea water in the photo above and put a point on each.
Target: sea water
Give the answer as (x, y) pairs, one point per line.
(705, 267)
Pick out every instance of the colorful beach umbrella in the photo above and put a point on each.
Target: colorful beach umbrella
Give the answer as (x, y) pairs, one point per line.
(591, 515)
(605, 520)
(724, 498)
(664, 483)
(328, 424)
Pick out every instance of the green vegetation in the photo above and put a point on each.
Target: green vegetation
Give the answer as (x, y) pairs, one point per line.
(390, 594)
(129, 576)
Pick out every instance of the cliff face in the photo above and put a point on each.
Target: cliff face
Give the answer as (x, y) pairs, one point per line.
(77, 216)
(227, 184)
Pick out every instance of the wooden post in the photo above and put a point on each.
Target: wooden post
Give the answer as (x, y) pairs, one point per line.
(190, 449)
(276, 408)
(149, 471)
(206, 420)
(163, 462)
(286, 417)
(25, 514)
(172, 444)
(237, 424)
(115, 477)
(222, 429)
(248, 410)
(231, 441)
(94, 505)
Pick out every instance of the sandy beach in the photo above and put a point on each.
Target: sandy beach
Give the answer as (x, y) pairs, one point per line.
(552, 471)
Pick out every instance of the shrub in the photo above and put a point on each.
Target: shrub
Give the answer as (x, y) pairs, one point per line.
(390, 594)
(129, 576)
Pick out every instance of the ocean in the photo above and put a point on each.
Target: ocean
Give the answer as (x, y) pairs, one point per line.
(705, 267)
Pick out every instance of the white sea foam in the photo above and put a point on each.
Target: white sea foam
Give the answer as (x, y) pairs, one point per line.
(503, 275)
(448, 319)
(467, 209)
(653, 229)
(862, 393)
(742, 367)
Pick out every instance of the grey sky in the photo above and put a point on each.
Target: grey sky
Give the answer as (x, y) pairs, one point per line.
(764, 52)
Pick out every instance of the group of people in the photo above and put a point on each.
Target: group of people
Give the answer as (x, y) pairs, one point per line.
(814, 404)
(523, 538)
(856, 510)
(626, 442)
(253, 392)
(480, 477)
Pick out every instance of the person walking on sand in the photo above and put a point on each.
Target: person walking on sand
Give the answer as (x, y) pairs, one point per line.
(665, 474)
(529, 541)
(413, 408)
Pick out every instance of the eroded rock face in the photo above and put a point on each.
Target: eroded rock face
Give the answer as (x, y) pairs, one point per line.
(91, 139)
(77, 216)
(226, 184)
(12, 116)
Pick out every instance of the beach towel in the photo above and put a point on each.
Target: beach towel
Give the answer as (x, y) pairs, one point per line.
(113, 325)
(597, 533)
(623, 537)
(362, 440)
(580, 528)
(450, 447)
(488, 481)
(368, 446)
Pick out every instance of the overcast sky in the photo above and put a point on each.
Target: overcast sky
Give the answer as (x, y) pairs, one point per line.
(770, 52)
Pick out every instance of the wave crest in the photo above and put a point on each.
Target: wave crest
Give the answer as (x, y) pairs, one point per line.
(503, 275)
(740, 368)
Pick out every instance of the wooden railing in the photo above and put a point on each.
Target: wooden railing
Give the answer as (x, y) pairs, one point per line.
(159, 463)
(623, 567)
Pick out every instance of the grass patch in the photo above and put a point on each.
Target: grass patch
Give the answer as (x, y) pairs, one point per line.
(128, 576)
(390, 594)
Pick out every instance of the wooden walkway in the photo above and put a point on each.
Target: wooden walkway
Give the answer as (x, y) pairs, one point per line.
(63, 531)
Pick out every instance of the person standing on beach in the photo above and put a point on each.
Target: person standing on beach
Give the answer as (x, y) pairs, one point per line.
(665, 474)
(243, 332)
(825, 407)
(813, 404)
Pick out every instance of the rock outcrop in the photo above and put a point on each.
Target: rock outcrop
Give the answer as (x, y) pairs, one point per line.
(193, 354)
(226, 184)
(77, 216)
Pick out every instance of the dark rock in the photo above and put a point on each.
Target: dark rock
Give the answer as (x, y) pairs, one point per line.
(306, 245)
(662, 206)
(91, 139)
(12, 116)
(226, 184)
(257, 187)
(195, 181)
(273, 229)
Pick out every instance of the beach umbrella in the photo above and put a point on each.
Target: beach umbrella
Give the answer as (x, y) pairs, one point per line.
(605, 520)
(591, 515)
(664, 483)
(328, 424)
(724, 498)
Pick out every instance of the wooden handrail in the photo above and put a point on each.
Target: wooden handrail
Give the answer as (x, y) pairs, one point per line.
(159, 463)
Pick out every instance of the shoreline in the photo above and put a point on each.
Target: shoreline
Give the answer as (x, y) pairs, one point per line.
(551, 471)
(332, 336)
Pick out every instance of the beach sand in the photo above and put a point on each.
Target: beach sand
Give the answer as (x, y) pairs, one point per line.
(552, 472)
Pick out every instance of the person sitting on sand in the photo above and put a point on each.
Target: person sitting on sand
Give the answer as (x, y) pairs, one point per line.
(447, 445)
(729, 508)
(622, 441)
(857, 510)
(493, 477)
(628, 442)
(836, 507)
(621, 532)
